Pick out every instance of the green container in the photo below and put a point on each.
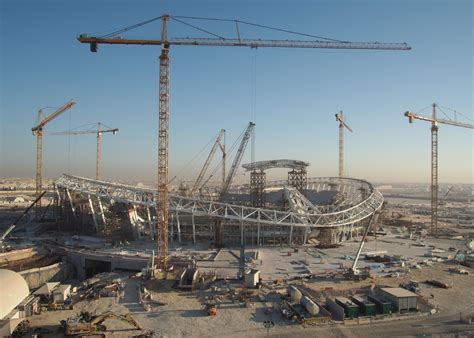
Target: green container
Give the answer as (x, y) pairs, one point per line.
(351, 309)
(367, 308)
(383, 307)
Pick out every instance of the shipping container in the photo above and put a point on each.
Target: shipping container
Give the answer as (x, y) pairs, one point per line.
(383, 307)
(367, 308)
(351, 309)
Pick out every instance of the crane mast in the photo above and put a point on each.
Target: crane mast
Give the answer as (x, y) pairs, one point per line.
(342, 124)
(237, 159)
(38, 132)
(219, 226)
(162, 202)
(164, 93)
(434, 158)
(98, 133)
(217, 143)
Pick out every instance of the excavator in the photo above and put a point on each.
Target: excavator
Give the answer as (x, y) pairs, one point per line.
(211, 308)
(86, 324)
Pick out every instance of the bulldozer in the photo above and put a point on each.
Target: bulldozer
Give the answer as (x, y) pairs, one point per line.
(85, 323)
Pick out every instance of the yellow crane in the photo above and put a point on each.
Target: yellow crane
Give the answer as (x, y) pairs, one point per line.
(434, 157)
(164, 83)
(38, 132)
(98, 131)
(342, 124)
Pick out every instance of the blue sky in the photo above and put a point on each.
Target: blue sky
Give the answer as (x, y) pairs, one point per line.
(297, 91)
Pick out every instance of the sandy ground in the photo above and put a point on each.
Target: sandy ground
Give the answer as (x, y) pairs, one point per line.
(183, 314)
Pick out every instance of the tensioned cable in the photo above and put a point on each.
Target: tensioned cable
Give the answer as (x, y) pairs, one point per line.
(125, 29)
(177, 17)
(230, 152)
(261, 26)
(196, 156)
(198, 28)
(444, 113)
(457, 112)
(422, 109)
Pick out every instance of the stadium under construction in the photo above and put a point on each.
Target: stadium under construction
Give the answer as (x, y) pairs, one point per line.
(322, 211)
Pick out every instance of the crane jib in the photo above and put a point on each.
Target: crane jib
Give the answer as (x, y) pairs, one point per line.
(252, 43)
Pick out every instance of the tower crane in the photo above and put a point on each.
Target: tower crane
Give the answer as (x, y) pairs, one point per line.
(442, 202)
(99, 131)
(218, 143)
(434, 157)
(38, 132)
(237, 158)
(218, 237)
(342, 124)
(164, 86)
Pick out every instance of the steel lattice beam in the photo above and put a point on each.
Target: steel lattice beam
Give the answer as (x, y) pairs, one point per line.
(250, 215)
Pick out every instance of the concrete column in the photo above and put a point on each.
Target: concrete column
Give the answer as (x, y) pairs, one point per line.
(72, 205)
(172, 228)
(101, 208)
(179, 227)
(60, 204)
(93, 213)
(258, 234)
(194, 229)
(137, 224)
(150, 223)
(352, 228)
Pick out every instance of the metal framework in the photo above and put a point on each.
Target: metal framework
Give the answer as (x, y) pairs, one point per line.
(165, 43)
(257, 188)
(434, 158)
(434, 174)
(270, 164)
(342, 124)
(99, 131)
(163, 140)
(38, 131)
(218, 143)
(252, 43)
(297, 178)
(314, 218)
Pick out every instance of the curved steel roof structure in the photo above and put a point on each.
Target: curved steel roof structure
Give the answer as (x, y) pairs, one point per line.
(359, 207)
(284, 163)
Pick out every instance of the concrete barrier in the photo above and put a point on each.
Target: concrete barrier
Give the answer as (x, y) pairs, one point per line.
(58, 272)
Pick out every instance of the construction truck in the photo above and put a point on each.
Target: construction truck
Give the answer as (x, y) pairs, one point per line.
(85, 323)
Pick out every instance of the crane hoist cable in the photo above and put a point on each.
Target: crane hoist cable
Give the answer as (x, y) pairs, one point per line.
(187, 165)
(228, 154)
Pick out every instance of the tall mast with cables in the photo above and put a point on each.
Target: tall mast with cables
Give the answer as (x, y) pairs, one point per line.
(217, 143)
(434, 157)
(99, 131)
(38, 132)
(342, 124)
(216, 40)
(162, 201)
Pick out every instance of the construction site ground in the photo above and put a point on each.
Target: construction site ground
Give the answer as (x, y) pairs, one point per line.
(177, 313)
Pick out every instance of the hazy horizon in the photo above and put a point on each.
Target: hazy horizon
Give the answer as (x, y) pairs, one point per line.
(291, 94)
